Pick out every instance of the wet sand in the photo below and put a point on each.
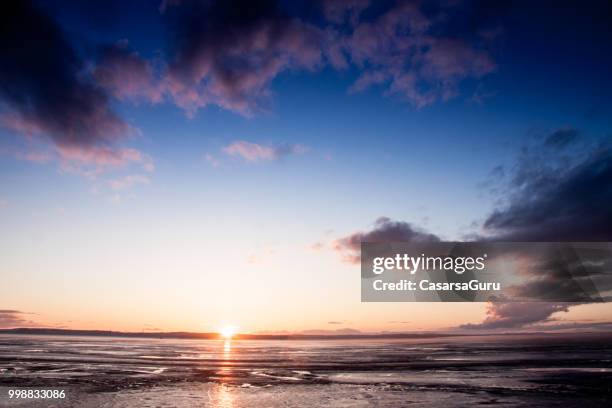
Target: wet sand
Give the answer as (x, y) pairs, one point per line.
(534, 371)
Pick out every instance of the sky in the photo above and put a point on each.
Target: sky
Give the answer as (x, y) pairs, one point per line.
(183, 165)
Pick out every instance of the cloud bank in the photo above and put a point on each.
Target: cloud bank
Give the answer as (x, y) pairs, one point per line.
(516, 315)
(559, 201)
(559, 189)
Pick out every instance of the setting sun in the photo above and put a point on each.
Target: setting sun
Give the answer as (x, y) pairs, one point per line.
(227, 332)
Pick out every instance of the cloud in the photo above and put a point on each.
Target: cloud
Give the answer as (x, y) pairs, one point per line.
(555, 194)
(126, 75)
(14, 318)
(556, 191)
(34, 156)
(80, 160)
(516, 315)
(562, 138)
(567, 273)
(128, 182)
(324, 332)
(573, 326)
(563, 200)
(339, 11)
(385, 230)
(227, 57)
(222, 56)
(212, 160)
(317, 246)
(254, 152)
(406, 51)
(45, 91)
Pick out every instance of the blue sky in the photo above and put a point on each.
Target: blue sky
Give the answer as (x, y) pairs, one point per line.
(286, 155)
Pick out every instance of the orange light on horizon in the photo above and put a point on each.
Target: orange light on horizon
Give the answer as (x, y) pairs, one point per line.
(227, 332)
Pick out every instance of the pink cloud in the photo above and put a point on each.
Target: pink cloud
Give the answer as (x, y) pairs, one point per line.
(128, 181)
(400, 52)
(339, 11)
(40, 157)
(254, 152)
(75, 158)
(230, 60)
(127, 76)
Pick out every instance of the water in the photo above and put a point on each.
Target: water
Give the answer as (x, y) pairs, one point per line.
(518, 370)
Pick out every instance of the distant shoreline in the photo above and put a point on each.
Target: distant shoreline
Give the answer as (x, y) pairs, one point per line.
(216, 336)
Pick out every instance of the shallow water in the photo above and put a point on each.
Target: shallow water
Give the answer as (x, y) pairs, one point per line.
(534, 370)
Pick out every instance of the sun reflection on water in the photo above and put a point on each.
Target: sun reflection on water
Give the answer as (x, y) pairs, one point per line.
(223, 397)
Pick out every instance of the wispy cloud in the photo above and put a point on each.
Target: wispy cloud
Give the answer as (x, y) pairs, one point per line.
(40, 157)
(15, 318)
(95, 160)
(128, 181)
(254, 152)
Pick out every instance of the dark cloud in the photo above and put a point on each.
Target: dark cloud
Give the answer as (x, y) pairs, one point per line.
(573, 326)
(555, 194)
(557, 191)
(517, 314)
(227, 53)
(571, 273)
(126, 75)
(44, 91)
(564, 202)
(340, 11)
(562, 138)
(385, 230)
(14, 318)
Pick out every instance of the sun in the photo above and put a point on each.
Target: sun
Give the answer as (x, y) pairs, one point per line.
(227, 332)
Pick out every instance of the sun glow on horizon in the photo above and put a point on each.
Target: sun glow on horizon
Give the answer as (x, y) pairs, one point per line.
(227, 332)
